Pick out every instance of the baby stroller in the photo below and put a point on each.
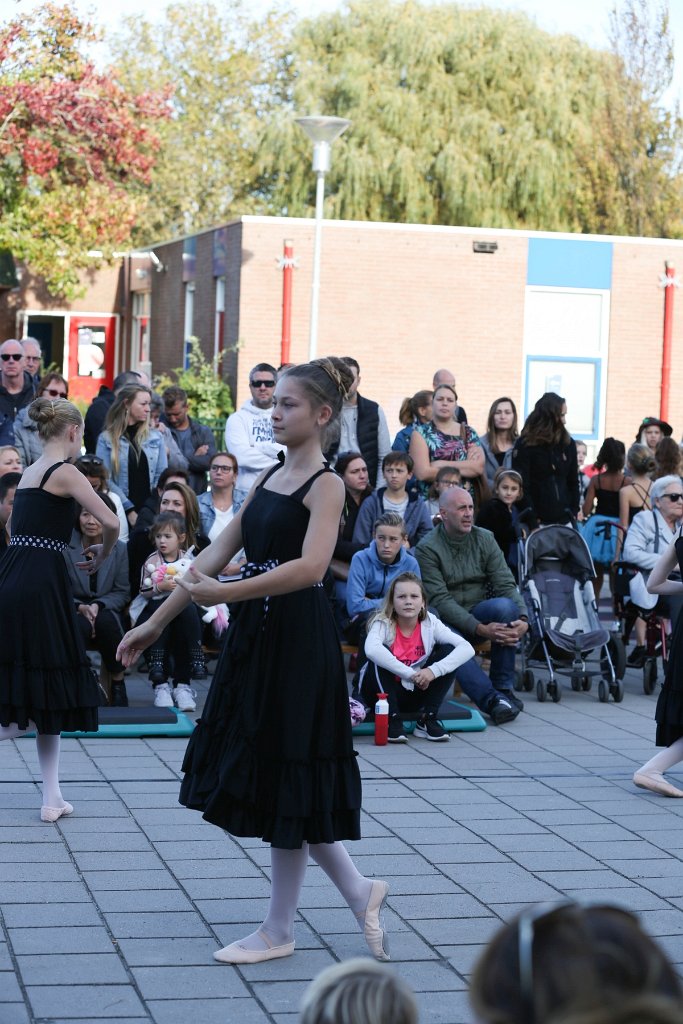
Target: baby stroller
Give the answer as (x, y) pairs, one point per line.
(557, 570)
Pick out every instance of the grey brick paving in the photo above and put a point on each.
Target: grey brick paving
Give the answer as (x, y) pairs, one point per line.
(129, 897)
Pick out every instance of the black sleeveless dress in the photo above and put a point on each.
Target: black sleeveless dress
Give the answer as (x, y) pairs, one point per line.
(45, 677)
(669, 713)
(272, 756)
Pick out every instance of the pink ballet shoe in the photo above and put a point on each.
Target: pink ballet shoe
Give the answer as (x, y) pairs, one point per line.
(656, 782)
(236, 953)
(371, 922)
(54, 813)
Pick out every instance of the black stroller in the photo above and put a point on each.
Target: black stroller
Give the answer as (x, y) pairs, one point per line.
(557, 572)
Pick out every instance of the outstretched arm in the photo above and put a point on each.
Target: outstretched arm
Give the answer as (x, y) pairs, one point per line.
(658, 582)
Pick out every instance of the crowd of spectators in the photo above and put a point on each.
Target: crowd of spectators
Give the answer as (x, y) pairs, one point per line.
(441, 502)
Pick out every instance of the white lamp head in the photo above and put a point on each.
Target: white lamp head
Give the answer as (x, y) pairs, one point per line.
(322, 131)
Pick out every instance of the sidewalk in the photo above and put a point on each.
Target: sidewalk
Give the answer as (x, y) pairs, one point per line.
(113, 914)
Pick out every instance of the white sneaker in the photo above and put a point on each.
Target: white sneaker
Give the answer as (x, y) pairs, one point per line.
(162, 696)
(184, 698)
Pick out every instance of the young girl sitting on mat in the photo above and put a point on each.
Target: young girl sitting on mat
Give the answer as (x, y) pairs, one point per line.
(412, 657)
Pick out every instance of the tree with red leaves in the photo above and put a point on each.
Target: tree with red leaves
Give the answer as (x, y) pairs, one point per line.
(76, 149)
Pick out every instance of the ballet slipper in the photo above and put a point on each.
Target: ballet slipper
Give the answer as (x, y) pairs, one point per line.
(371, 921)
(235, 953)
(54, 813)
(656, 782)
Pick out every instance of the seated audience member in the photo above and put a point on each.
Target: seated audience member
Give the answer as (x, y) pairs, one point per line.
(8, 487)
(413, 411)
(506, 515)
(358, 991)
(195, 441)
(460, 563)
(588, 964)
(447, 378)
(175, 458)
(139, 544)
(100, 599)
(10, 461)
(92, 467)
(634, 496)
(412, 657)
(393, 497)
(373, 568)
(353, 471)
(100, 406)
(448, 476)
(499, 439)
(53, 385)
(218, 506)
(445, 440)
(182, 638)
(249, 431)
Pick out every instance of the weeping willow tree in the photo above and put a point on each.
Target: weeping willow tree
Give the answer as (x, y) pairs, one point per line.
(460, 116)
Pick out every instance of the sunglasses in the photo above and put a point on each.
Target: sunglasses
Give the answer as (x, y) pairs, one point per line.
(89, 460)
(257, 383)
(54, 393)
(16, 356)
(526, 933)
(673, 497)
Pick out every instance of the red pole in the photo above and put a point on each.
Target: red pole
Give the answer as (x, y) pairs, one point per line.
(287, 264)
(669, 284)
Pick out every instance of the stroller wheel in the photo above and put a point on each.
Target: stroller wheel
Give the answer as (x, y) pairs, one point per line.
(519, 681)
(576, 681)
(618, 691)
(586, 683)
(541, 691)
(603, 691)
(556, 691)
(650, 675)
(528, 680)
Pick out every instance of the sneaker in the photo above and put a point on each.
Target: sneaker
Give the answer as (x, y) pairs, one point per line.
(184, 697)
(502, 710)
(430, 729)
(162, 696)
(636, 658)
(512, 698)
(396, 733)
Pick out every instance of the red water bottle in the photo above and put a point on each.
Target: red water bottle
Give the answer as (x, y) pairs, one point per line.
(381, 720)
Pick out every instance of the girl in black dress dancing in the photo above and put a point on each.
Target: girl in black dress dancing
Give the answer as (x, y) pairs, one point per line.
(669, 713)
(46, 684)
(272, 756)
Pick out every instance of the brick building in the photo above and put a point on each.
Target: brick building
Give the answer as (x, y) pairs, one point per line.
(520, 314)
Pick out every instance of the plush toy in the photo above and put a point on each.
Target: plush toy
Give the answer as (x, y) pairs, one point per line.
(173, 569)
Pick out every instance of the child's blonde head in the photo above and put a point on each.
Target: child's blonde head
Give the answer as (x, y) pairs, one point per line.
(358, 992)
(387, 611)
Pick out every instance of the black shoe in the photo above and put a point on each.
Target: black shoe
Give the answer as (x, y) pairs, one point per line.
(501, 710)
(396, 732)
(636, 658)
(157, 675)
(119, 697)
(430, 729)
(512, 697)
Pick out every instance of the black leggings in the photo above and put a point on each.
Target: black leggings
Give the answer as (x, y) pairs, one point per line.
(381, 680)
(108, 636)
(181, 638)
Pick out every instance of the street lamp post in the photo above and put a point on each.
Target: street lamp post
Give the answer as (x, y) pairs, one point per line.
(322, 131)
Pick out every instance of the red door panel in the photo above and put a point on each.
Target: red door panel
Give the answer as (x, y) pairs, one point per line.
(92, 343)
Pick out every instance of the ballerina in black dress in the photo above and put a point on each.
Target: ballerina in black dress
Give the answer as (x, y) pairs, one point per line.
(46, 684)
(272, 756)
(669, 713)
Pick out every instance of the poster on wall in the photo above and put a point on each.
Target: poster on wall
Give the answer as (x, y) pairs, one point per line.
(575, 380)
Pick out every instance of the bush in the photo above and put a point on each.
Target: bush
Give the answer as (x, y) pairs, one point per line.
(208, 395)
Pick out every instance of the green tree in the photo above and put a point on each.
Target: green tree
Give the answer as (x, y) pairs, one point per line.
(460, 116)
(75, 147)
(209, 396)
(224, 70)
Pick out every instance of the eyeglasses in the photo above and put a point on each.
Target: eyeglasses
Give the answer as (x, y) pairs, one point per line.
(16, 356)
(526, 929)
(222, 469)
(90, 460)
(673, 497)
(54, 393)
(259, 383)
(32, 359)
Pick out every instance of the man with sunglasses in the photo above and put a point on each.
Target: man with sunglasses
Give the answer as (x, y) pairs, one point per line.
(17, 388)
(249, 431)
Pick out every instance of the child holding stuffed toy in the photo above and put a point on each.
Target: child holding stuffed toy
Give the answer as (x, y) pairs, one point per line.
(159, 574)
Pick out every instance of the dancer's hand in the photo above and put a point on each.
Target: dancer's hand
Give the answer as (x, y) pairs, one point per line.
(135, 641)
(204, 590)
(94, 557)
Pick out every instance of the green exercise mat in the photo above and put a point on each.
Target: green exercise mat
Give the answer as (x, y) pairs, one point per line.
(455, 717)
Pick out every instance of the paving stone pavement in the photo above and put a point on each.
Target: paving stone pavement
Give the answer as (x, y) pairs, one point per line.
(113, 914)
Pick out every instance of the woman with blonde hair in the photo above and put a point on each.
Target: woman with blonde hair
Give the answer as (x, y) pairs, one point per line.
(46, 683)
(358, 992)
(10, 460)
(134, 454)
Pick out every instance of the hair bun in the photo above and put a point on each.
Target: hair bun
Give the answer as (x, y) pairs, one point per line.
(42, 410)
(338, 372)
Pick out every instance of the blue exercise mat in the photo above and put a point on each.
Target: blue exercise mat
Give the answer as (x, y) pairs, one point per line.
(455, 717)
(116, 723)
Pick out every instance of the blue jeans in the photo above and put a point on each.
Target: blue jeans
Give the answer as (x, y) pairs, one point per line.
(473, 680)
